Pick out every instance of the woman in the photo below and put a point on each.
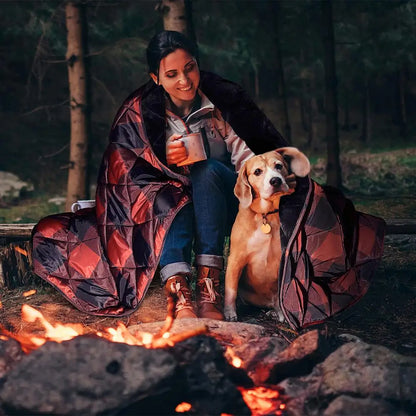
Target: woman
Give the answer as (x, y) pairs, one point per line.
(205, 221)
(153, 208)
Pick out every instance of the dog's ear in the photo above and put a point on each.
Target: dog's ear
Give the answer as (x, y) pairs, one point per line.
(297, 161)
(242, 189)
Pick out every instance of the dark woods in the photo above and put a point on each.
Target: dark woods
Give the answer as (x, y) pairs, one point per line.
(325, 72)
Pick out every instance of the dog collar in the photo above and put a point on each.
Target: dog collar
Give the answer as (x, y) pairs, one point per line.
(266, 228)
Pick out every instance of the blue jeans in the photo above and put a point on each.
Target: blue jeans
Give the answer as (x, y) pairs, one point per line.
(203, 224)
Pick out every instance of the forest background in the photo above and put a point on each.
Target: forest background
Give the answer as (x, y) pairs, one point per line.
(275, 49)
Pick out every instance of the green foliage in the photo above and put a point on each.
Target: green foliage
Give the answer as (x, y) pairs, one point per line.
(29, 211)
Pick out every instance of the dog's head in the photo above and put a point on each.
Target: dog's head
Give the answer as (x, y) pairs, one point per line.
(270, 174)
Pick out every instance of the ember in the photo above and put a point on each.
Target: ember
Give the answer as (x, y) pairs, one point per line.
(21, 250)
(232, 358)
(263, 401)
(183, 407)
(29, 293)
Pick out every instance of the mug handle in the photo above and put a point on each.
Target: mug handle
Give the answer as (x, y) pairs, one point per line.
(75, 207)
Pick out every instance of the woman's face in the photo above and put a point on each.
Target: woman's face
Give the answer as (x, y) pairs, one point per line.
(179, 76)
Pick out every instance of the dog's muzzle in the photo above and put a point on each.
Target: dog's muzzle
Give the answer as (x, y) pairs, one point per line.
(278, 184)
(276, 181)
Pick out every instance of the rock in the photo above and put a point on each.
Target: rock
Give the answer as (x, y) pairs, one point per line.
(358, 370)
(87, 376)
(347, 406)
(298, 359)
(10, 354)
(57, 200)
(345, 338)
(11, 186)
(207, 377)
(369, 370)
(234, 333)
(258, 356)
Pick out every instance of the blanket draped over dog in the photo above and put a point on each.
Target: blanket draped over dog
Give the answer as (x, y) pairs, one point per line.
(330, 253)
(104, 259)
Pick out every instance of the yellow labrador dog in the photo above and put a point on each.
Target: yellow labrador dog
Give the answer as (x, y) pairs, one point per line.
(255, 250)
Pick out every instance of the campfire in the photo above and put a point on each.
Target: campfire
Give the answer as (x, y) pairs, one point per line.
(258, 399)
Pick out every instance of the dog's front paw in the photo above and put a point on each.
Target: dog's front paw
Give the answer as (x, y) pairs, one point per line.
(276, 314)
(230, 314)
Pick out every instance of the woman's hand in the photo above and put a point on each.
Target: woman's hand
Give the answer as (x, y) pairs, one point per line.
(175, 150)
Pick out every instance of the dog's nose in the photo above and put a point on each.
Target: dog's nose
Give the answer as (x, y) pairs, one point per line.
(275, 181)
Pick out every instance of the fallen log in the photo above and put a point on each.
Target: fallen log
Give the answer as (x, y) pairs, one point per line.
(15, 232)
(15, 254)
(401, 226)
(23, 231)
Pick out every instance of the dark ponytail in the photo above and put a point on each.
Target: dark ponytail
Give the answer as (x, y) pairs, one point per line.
(165, 43)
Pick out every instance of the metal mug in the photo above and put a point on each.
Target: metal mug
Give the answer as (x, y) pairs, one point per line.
(82, 203)
(195, 148)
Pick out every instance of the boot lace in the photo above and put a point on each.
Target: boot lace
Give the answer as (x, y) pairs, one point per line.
(183, 296)
(210, 294)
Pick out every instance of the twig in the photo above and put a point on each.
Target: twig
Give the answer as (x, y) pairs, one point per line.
(54, 153)
(119, 43)
(99, 82)
(175, 338)
(44, 107)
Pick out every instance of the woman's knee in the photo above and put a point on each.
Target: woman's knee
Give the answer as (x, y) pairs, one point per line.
(207, 169)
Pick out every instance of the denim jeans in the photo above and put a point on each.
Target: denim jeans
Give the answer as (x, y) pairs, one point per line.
(203, 224)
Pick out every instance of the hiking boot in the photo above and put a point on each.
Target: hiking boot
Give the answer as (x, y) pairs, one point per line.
(177, 288)
(208, 298)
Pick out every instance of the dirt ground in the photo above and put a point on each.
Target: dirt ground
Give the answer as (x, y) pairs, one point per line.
(384, 316)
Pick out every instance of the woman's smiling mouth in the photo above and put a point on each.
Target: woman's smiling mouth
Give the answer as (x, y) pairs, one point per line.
(185, 88)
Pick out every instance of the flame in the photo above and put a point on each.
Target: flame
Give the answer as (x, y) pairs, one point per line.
(64, 332)
(232, 358)
(263, 400)
(123, 335)
(183, 407)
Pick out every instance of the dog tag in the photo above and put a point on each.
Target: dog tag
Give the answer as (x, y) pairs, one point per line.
(265, 228)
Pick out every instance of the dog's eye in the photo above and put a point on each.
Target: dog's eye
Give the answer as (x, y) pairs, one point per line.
(258, 172)
(278, 166)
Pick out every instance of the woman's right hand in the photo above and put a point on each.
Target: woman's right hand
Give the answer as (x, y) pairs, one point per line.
(175, 150)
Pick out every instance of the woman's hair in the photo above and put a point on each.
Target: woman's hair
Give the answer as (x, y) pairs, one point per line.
(164, 43)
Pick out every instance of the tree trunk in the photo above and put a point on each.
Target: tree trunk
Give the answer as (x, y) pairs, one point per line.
(283, 112)
(256, 82)
(366, 128)
(303, 100)
(312, 110)
(177, 16)
(77, 76)
(402, 102)
(333, 168)
(347, 117)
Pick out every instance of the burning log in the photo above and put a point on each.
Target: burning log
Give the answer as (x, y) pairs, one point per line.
(89, 375)
(182, 372)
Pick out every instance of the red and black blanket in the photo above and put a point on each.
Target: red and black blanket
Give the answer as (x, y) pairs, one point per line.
(103, 259)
